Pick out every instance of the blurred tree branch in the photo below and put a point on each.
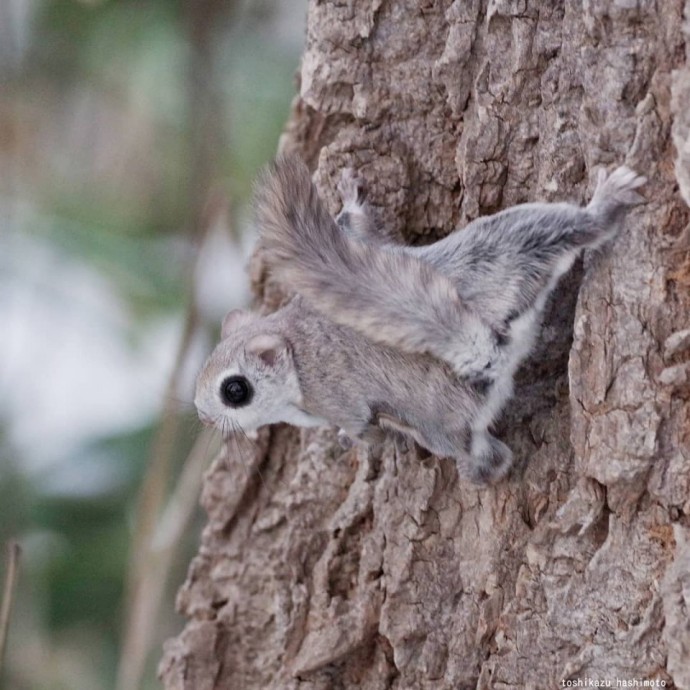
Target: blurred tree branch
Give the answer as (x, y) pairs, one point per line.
(11, 575)
(150, 563)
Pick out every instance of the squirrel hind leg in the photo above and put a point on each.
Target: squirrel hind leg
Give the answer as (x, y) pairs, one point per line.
(401, 431)
(490, 459)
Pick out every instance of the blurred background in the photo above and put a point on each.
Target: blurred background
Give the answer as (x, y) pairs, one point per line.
(130, 133)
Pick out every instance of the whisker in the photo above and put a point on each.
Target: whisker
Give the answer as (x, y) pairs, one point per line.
(211, 437)
(240, 430)
(179, 405)
(229, 436)
(261, 476)
(194, 425)
(238, 450)
(280, 481)
(246, 436)
(181, 401)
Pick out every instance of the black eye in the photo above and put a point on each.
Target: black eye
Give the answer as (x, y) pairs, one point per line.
(236, 391)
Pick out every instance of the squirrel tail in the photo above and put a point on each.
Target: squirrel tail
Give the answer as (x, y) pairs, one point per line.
(387, 295)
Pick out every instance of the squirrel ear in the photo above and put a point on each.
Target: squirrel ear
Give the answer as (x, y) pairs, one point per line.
(232, 322)
(269, 348)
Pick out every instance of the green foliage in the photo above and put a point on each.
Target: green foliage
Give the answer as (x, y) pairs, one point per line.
(259, 86)
(16, 493)
(103, 143)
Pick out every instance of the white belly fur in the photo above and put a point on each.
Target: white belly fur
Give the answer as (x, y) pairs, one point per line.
(297, 417)
(523, 333)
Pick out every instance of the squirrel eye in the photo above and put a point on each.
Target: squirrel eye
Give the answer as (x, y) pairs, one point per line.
(236, 391)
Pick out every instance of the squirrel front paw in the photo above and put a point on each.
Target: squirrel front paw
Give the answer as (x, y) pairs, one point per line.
(478, 370)
(481, 359)
(478, 366)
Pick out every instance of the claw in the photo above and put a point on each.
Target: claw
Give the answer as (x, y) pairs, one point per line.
(344, 440)
(349, 187)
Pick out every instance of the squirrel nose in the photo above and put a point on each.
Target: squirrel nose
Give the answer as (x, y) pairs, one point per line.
(205, 417)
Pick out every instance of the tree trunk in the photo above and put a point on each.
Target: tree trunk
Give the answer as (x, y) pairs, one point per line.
(323, 568)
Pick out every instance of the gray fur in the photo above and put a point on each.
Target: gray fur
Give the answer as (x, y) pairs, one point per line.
(505, 267)
(355, 218)
(503, 264)
(391, 296)
(327, 372)
(474, 299)
(487, 274)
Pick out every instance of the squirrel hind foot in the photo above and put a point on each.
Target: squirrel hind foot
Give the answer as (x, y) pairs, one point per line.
(614, 194)
(491, 459)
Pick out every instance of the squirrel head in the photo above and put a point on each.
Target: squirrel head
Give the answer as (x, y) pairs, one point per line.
(249, 379)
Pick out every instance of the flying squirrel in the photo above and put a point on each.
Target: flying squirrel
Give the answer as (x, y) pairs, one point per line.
(298, 367)
(422, 341)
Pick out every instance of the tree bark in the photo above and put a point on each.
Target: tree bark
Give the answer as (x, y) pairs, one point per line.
(322, 568)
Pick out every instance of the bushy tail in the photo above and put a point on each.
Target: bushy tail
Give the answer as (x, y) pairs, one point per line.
(389, 296)
(614, 194)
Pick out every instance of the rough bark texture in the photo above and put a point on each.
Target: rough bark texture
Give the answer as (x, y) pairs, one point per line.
(321, 568)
